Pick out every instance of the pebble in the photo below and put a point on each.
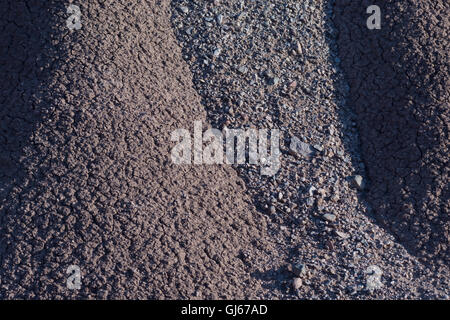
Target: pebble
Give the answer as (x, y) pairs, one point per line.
(329, 217)
(243, 69)
(297, 283)
(300, 148)
(183, 9)
(272, 210)
(298, 269)
(318, 147)
(357, 182)
(298, 48)
(342, 235)
(220, 19)
(217, 52)
(335, 197)
(322, 192)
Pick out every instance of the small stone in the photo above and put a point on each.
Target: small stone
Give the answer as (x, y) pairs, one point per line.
(357, 182)
(342, 235)
(272, 210)
(310, 202)
(243, 69)
(298, 269)
(220, 19)
(280, 195)
(318, 147)
(298, 48)
(183, 9)
(297, 283)
(299, 148)
(329, 217)
(189, 30)
(217, 52)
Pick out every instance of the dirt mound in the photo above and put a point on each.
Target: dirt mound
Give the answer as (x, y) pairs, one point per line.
(399, 88)
(86, 175)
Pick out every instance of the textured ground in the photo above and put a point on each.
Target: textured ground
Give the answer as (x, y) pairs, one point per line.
(85, 170)
(399, 80)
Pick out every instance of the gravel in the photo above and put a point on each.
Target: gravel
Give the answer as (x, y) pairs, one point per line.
(358, 209)
(292, 81)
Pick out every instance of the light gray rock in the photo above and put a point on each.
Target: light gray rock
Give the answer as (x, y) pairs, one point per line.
(243, 69)
(357, 182)
(342, 235)
(300, 149)
(297, 283)
(220, 19)
(183, 9)
(329, 217)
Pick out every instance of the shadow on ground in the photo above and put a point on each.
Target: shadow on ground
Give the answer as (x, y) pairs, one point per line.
(28, 58)
(398, 78)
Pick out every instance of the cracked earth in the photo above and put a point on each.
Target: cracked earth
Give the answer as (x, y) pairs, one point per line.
(86, 176)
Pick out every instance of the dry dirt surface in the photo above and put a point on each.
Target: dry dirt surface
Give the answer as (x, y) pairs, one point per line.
(86, 176)
(86, 173)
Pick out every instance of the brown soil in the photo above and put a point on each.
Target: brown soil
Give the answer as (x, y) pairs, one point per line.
(86, 171)
(86, 177)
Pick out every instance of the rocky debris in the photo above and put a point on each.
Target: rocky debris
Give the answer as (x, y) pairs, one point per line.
(298, 48)
(183, 9)
(300, 149)
(86, 119)
(297, 283)
(329, 217)
(401, 104)
(243, 70)
(357, 182)
(298, 269)
(273, 210)
(309, 102)
(342, 235)
(92, 172)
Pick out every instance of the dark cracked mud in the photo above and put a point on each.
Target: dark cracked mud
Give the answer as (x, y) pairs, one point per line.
(399, 80)
(86, 177)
